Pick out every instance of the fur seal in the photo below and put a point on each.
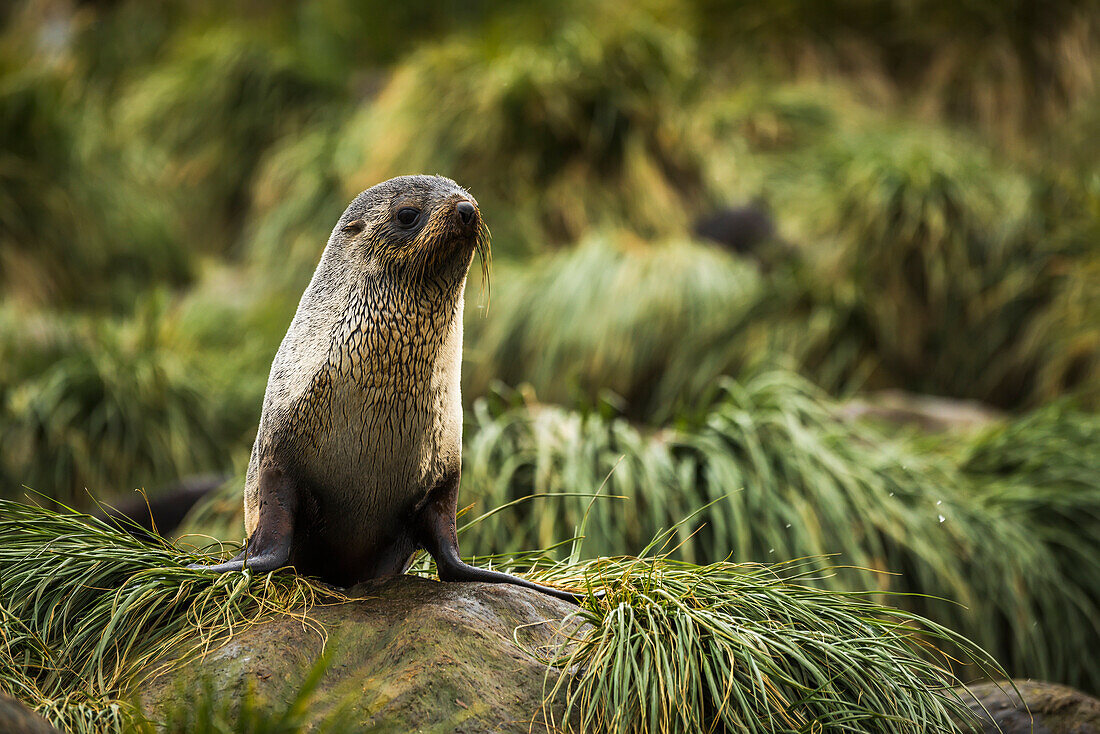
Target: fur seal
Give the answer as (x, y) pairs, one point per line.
(357, 459)
(146, 517)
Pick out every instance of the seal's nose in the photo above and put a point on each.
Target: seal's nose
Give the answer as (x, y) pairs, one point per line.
(465, 211)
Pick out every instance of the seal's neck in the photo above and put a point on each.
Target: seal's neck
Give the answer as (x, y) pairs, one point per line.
(400, 336)
(424, 313)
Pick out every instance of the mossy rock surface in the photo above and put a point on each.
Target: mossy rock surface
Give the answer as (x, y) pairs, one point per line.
(411, 655)
(1048, 707)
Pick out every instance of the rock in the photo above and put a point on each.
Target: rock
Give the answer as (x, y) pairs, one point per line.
(412, 654)
(926, 412)
(1056, 709)
(15, 718)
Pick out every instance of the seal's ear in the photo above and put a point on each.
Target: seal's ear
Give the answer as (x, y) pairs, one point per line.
(354, 228)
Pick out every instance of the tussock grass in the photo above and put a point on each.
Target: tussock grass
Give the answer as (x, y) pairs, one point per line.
(788, 479)
(944, 258)
(1065, 338)
(1007, 68)
(297, 195)
(645, 326)
(89, 612)
(586, 126)
(77, 226)
(218, 101)
(1043, 471)
(675, 647)
(930, 272)
(930, 261)
(101, 405)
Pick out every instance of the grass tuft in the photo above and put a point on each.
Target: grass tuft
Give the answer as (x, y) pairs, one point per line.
(586, 126)
(89, 612)
(645, 326)
(675, 647)
(101, 405)
(783, 477)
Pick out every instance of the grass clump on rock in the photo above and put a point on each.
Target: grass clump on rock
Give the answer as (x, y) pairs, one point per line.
(88, 613)
(675, 647)
(785, 477)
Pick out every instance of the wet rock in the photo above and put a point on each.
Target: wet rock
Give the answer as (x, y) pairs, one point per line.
(1049, 707)
(413, 655)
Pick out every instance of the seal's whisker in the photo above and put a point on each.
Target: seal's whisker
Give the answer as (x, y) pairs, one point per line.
(485, 255)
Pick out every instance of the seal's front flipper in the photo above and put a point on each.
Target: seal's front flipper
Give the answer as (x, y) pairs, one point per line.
(436, 525)
(269, 546)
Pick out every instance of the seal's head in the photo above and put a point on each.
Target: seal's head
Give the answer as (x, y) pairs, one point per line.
(415, 228)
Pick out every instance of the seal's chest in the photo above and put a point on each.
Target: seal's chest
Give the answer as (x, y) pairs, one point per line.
(381, 415)
(377, 438)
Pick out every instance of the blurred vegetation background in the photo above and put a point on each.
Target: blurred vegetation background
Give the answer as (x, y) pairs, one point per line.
(721, 231)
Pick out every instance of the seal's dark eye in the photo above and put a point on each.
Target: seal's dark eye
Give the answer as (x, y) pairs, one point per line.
(407, 217)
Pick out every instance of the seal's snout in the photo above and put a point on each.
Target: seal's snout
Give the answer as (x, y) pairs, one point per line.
(466, 212)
